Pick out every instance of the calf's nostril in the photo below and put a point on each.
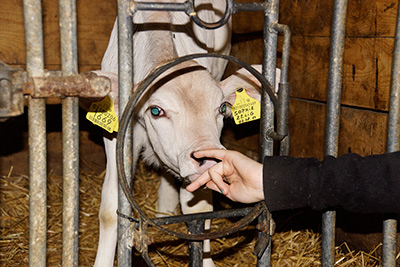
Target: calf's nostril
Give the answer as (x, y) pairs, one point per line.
(201, 161)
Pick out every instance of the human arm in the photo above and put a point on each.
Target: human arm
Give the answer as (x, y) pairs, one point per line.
(358, 184)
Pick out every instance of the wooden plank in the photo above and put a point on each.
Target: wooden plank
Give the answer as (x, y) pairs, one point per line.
(361, 131)
(313, 18)
(95, 21)
(367, 67)
(366, 77)
(308, 67)
(307, 18)
(12, 41)
(306, 128)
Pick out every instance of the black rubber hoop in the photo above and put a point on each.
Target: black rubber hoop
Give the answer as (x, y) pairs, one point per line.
(124, 124)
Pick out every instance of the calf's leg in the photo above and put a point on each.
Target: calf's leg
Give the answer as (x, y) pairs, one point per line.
(108, 207)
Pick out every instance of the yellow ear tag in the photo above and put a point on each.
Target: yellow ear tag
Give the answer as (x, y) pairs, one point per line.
(102, 113)
(245, 108)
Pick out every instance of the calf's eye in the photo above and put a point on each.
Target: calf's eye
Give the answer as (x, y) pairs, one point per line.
(223, 107)
(156, 111)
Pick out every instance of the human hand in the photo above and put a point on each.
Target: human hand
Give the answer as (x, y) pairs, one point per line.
(236, 176)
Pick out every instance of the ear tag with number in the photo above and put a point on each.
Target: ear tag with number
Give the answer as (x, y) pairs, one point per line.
(102, 113)
(245, 108)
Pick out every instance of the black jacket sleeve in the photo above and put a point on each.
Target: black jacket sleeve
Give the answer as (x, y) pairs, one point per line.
(358, 184)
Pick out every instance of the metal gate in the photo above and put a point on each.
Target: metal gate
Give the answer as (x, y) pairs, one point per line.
(37, 121)
(332, 130)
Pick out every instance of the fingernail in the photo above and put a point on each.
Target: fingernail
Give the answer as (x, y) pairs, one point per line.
(222, 191)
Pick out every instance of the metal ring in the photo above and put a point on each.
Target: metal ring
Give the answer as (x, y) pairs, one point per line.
(125, 122)
(211, 25)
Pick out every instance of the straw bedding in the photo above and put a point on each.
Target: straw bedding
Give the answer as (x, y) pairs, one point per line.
(292, 248)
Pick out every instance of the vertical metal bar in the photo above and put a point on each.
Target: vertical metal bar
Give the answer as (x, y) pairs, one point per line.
(125, 78)
(283, 94)
(70, 119)
(333, 117)
(268, 70)
(37, 137)
(267, 108)
(195, 247)
(393, 139)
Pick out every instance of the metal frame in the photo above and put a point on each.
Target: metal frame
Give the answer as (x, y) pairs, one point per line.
(37, 118)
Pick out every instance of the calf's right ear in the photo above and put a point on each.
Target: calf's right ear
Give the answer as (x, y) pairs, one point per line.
(244, 79)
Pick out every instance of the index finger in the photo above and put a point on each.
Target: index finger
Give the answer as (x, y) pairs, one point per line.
(211, 153)
(201, 180)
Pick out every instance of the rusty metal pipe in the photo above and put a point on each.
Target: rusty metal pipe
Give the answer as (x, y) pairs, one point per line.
(87, 85)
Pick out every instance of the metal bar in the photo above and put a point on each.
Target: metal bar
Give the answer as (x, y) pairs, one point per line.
(83, 85)
(393, 139)
(195, 247)
(37, 137)
(187, 6)
(268, 70)
(125, 79)
(255, 6)
(231, 213)
(70, 125)
(333, 117)
(267, 108)
(157, 6)
(283, 93)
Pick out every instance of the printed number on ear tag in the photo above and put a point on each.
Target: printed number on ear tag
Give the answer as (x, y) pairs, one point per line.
(245, 108)
(102, 113)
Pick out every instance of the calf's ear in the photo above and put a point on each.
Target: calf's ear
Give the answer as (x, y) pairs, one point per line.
(244, 79)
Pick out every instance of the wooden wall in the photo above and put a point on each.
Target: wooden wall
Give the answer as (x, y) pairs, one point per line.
(367, 64)
(366, 81)
(95, 21)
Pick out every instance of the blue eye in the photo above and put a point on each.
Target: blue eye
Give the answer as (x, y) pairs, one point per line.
(222, 108)
(156, 111)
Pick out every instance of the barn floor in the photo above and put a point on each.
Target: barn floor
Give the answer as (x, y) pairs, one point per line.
(291, 247)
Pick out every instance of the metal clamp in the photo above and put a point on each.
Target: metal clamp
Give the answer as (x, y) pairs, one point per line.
(11, 100)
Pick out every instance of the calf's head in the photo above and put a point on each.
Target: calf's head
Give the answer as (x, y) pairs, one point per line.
(185, 114)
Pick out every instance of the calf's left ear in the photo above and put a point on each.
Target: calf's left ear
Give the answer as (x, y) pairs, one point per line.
(244, 79)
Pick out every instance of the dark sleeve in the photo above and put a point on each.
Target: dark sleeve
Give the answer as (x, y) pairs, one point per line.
(358, 184)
